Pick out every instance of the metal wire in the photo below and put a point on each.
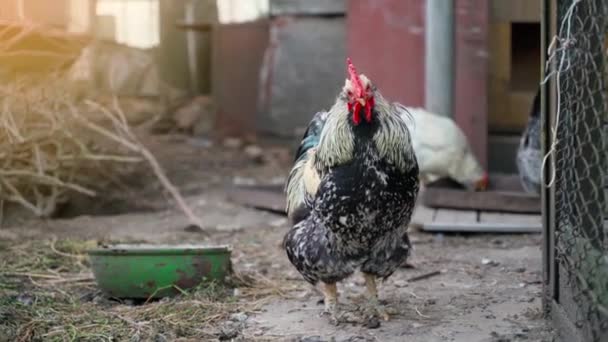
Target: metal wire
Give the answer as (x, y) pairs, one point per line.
(579, 57)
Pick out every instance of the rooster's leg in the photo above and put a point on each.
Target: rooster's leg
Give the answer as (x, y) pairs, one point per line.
(330, 293)
(372, 297)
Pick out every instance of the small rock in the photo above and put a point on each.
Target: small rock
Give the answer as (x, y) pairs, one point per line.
(233, 142)
(278, 222)
(311, 339)
(200, 142)
(408, 265)
(520, 270)
(401, 283)
(228, 332)
(489, 262)
(190, 114)
(243, 181)
(192, 228)
(160, 338)
(356, 339)
(254, 153)
(372, 323)
(25, 299)
(239, 317)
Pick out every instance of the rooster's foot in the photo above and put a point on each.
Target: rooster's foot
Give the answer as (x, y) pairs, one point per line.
(374, 308)
(332, 311)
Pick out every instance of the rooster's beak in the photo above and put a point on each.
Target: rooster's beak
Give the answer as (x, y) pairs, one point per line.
(361, 101)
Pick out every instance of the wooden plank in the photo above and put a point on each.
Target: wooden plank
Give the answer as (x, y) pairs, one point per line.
(489, 217)
(423, 215)
(498, 182)
(486, 201)
(515, 11)
(478, 227)
(448, 216)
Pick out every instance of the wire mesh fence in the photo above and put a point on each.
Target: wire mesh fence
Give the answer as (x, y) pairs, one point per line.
(578, 56)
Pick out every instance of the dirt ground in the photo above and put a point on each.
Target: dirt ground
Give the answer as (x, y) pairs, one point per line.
(488, 287)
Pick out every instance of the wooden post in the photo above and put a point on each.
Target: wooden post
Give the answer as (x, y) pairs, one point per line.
(471, 74)
(548, 30)
(172, 54)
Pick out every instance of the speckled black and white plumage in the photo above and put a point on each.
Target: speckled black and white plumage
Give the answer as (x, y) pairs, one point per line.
(353, 214)
(529, 155)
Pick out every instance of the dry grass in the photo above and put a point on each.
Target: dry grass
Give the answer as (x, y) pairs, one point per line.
(47, 293)
(52, 145)
(46, 150)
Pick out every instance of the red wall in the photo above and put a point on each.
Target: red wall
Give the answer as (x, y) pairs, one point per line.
(386, 43)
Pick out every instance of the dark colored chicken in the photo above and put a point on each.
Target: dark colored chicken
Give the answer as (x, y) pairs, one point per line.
(529, 155)
(351, 193)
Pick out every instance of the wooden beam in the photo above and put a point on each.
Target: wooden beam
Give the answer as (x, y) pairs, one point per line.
(471, 67)
(481, 227)
(485, 217)
(498, 201)
(456, 216)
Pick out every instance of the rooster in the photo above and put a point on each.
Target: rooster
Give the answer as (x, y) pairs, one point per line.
(443, 150)
(351, 193)
(529, 155)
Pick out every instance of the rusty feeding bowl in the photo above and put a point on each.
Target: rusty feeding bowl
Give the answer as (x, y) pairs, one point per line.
(155, 271)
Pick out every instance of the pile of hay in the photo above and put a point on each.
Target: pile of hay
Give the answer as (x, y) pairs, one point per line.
(53, 144)
(50, 146)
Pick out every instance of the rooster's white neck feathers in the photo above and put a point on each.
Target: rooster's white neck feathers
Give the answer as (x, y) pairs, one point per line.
(392, 139)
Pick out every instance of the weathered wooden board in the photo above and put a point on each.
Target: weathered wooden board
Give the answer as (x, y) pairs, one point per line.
(504, 194)
(455, 216)
(485, 217)
(423, 215)
(487, 201)
(481, 227)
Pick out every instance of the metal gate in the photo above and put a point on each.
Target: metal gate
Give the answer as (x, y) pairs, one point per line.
(574, 138)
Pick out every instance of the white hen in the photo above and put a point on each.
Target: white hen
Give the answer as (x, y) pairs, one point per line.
(443, 150)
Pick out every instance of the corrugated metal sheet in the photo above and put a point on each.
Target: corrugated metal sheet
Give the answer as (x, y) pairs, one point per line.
(304, 70)
(386, 42)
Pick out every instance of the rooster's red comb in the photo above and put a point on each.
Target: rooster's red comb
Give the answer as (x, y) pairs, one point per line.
(354, 77)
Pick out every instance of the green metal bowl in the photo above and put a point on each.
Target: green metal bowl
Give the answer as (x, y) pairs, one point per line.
(154, 271)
